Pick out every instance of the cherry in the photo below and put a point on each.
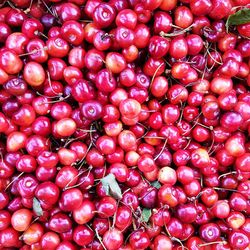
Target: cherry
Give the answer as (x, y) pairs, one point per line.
(221, 209)
(237, 143)
(82, 235)
(237, 202)
(50, 240)
(119, 5)
(16, 37)
(100, 225)
(231, 121)
(124, 37)
(21, 219)
(162, 21)
(123, 218)
(70, 199)
(154, 67)
(115, 62)
(106, 207)
(209, 232)
(183, 17)
(167, 175)
(192, 189)
(113, 239)
(175, 227)
(127, 18)
(236, 220)
(245, 226)
(9, 237)
(130, 199)
(170, 113)
(195, 44)
(66, 245)
(177, 94)
(130, 53)
(91, 110)
(10, 62)
(221, 85)
(95, 158)
(105, 81)
(57, 47)
(185, 174)
(178, 48)
(243, 30)
(72, 32)
(187, 213)
(200, 7)
(142, 36)
(16, 86)
(69, 11)
(47, 192)
(162, 241)
(238, 239)
(200, 158)
(103, 15)
(60, 223)
(33, 234)
(139, 240)
(5, 219)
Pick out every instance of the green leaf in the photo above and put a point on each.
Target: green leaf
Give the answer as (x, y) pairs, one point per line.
(156, 184)
(240, 17)
(111, 186)
(146, 214)
(37, 207)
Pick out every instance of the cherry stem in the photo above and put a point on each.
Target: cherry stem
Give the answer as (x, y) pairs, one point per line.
(163, 34)
(154, 137)
(208, 52)
(189, 141)
(69, 140)
(226, 174)
(196, 122)
(15, 179)
(33, 51)
(162, 149)
(61, 98)
(204, 126)
(11, 5)
(2, 4)
(40, 33)
(148, 111)
(85, 21)
(1, 156)
(81, 162)
(210, 151)
(182, 247)
(148, 191)
(28, 9)
(47, 7)
(226, 189)
(211, 243)
(100, 239)
(49, 97)
(182, 110)
(158, 68)
(49, 80)
(80, 183)
(90, 135)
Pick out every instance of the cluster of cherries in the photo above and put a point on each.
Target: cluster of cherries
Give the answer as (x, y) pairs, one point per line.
(151, 95)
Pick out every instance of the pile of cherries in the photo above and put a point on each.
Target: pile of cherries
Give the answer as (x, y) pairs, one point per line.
(124, 124)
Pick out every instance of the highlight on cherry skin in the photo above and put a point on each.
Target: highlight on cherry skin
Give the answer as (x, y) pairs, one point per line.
(124, 124)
